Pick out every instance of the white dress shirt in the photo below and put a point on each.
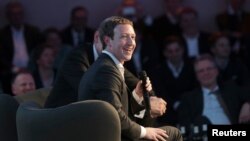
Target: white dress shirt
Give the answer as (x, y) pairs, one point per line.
(212, 108)
(21, 57)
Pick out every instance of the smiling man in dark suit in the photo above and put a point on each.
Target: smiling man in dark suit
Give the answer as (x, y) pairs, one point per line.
(105, 80)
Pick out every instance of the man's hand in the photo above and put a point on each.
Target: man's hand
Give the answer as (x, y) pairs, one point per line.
(139, 88)
(244, 113)
(158, 106)
(156, 134)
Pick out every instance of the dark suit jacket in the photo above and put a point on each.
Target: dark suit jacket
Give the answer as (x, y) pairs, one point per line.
(103, 81)
(203, 43)
(170, 88)
(235, 71)
(163, 28)
(233, 23)
(68, 38)
(191, 106)
(65, 89)
(32, 37)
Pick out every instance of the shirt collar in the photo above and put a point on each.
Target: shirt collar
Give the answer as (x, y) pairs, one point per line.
(208, 91)
(116, 61)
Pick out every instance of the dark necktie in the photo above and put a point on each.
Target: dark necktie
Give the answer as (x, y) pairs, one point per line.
(222, 103)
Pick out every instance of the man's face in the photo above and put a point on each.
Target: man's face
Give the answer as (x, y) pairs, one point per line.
(23, 83)
(173, 52)
(222, 48)
(16, 15)
(206, 73)
(123, 43)
(188, 21)
(79, 20)
(47, 58)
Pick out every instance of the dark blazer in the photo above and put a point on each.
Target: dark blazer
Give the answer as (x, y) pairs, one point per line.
(191, 106)
(203, 43)
(233, 23)
(68, 38)
(163, 28)
(236, 71)
(170, 88)
(74, 66)
(32, 37)
(103, 81)
(65, 89)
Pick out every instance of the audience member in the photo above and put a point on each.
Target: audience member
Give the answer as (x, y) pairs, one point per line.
(17, 39)
(234, 20)
(172, 78)
(44, 73)
(22, 82)
(195, 40)
(105, 80)
(167, 24)
(213, 102)
(53, 39)
(78, 32)
(230, 68)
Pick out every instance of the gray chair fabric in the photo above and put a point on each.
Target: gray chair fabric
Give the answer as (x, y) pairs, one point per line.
(80, 121)
(8, 108)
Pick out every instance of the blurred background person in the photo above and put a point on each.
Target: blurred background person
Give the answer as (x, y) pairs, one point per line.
(78, 32)
(235, 22)
(52, 38)
(22, 82)
(18, 39)
(173, 77)
(168, 23)
(230, 68)
(195, 40)
(44, 72)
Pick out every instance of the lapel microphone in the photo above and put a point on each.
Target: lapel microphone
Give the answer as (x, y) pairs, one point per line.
(143, 77)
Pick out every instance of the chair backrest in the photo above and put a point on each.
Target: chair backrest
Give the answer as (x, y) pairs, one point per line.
(39, 96)
(91, 120)
(8, 108)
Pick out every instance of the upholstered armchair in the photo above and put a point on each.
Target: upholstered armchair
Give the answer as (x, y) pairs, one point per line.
(91, 120)
(8, 108)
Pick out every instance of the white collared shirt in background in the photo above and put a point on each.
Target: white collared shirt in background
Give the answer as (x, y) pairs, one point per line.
(212, 108)
(21, 57)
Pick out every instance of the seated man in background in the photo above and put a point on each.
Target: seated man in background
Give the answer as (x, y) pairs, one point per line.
(22, 82)
(213, 103)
